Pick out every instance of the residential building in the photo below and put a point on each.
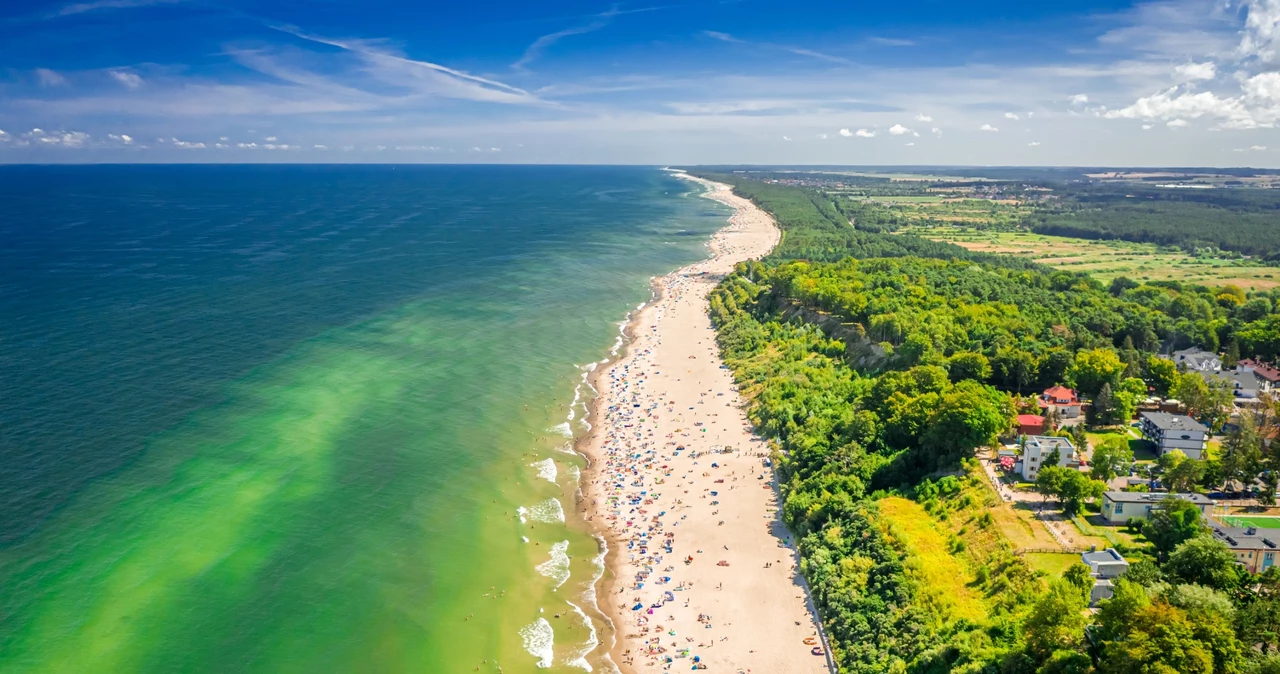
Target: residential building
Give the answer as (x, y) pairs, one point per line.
(1104, 566)
(1119, 507)
(1244, 385)
(1174, 431)
(1196, 360)
(1030, 424)
(1062, 399)
(1037, 451)
(1255, 549)
(1268, 377)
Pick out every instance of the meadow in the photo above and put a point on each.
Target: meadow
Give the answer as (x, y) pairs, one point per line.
(1106, 260)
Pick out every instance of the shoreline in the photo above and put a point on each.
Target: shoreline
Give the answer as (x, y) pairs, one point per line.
(763, 619)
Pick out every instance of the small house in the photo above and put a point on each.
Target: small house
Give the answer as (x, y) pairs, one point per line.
(1062, 399)
(1030, 424)
(1196, 360)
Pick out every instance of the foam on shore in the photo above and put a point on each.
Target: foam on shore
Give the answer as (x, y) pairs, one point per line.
(549, 511)
(546, 469)
(557, 568)
(539, 640)
(587, 647)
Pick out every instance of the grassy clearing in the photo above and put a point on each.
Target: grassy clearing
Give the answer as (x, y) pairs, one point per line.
(1106, 260)
(1052, 563)
(1020, 527)
(943, 581)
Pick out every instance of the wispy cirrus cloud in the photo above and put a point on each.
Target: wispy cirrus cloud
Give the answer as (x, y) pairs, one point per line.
(799, 51)
(49, 78)
(423, 77)
(535, 50)
(84, 7)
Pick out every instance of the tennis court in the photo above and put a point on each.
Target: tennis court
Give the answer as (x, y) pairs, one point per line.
(1260, 521)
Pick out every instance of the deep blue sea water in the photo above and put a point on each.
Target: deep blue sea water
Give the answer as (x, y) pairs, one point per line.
(282, 418)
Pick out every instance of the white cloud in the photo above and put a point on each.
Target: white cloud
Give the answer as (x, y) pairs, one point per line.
(891, 41)
(128, 79)
(786, 138)
(1257, 105)
(846, 133)
(247, 146)
(321, 147)
(912, 144)
(988, 128)
(81, 8)
(823, 136)
(186, 145)
(121, 138)
(270, 139)
(1262, 31)
(923, 118)
(476, 149)
(1146, 127)
(223, 138)
(1079, 99)
(1191, 72)
(221, 146)
(49, 78)
(1011, 115)
(1176, 123)
(1034, 143)
(900, 130)
(936, 131)
(1258, 148)
(865, 133)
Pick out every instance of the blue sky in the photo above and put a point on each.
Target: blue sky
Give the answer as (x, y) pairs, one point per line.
(1091, 82)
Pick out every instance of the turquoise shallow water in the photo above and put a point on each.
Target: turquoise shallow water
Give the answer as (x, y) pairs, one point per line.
(291, 418)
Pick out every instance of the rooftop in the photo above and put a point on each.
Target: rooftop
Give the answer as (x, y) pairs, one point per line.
(1174, 422)
(1261, 369)
(1240, 381)
(1051, 442)
(1240, 538)
(1153, 497)
(1108, 556)
(1060, 393)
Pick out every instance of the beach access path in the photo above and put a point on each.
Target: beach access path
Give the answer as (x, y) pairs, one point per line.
(701, 568)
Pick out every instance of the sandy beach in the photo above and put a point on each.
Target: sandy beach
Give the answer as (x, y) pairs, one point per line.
(701, 570)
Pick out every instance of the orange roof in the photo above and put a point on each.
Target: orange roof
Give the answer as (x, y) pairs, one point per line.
(1060, 392)
(1030, 420)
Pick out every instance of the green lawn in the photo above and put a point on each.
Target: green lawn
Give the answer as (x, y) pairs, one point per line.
(1052, 563)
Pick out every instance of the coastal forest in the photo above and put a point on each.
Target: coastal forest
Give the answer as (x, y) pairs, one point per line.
(879, 363)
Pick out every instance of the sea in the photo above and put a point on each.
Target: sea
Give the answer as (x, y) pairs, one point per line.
(312, 418)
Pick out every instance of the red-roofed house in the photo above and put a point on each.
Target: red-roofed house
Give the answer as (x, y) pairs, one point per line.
(1062, 399)
(1030, 424)
(1268, 377)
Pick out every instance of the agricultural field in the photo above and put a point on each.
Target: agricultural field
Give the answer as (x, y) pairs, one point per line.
(937, 209)
(1106, 260)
